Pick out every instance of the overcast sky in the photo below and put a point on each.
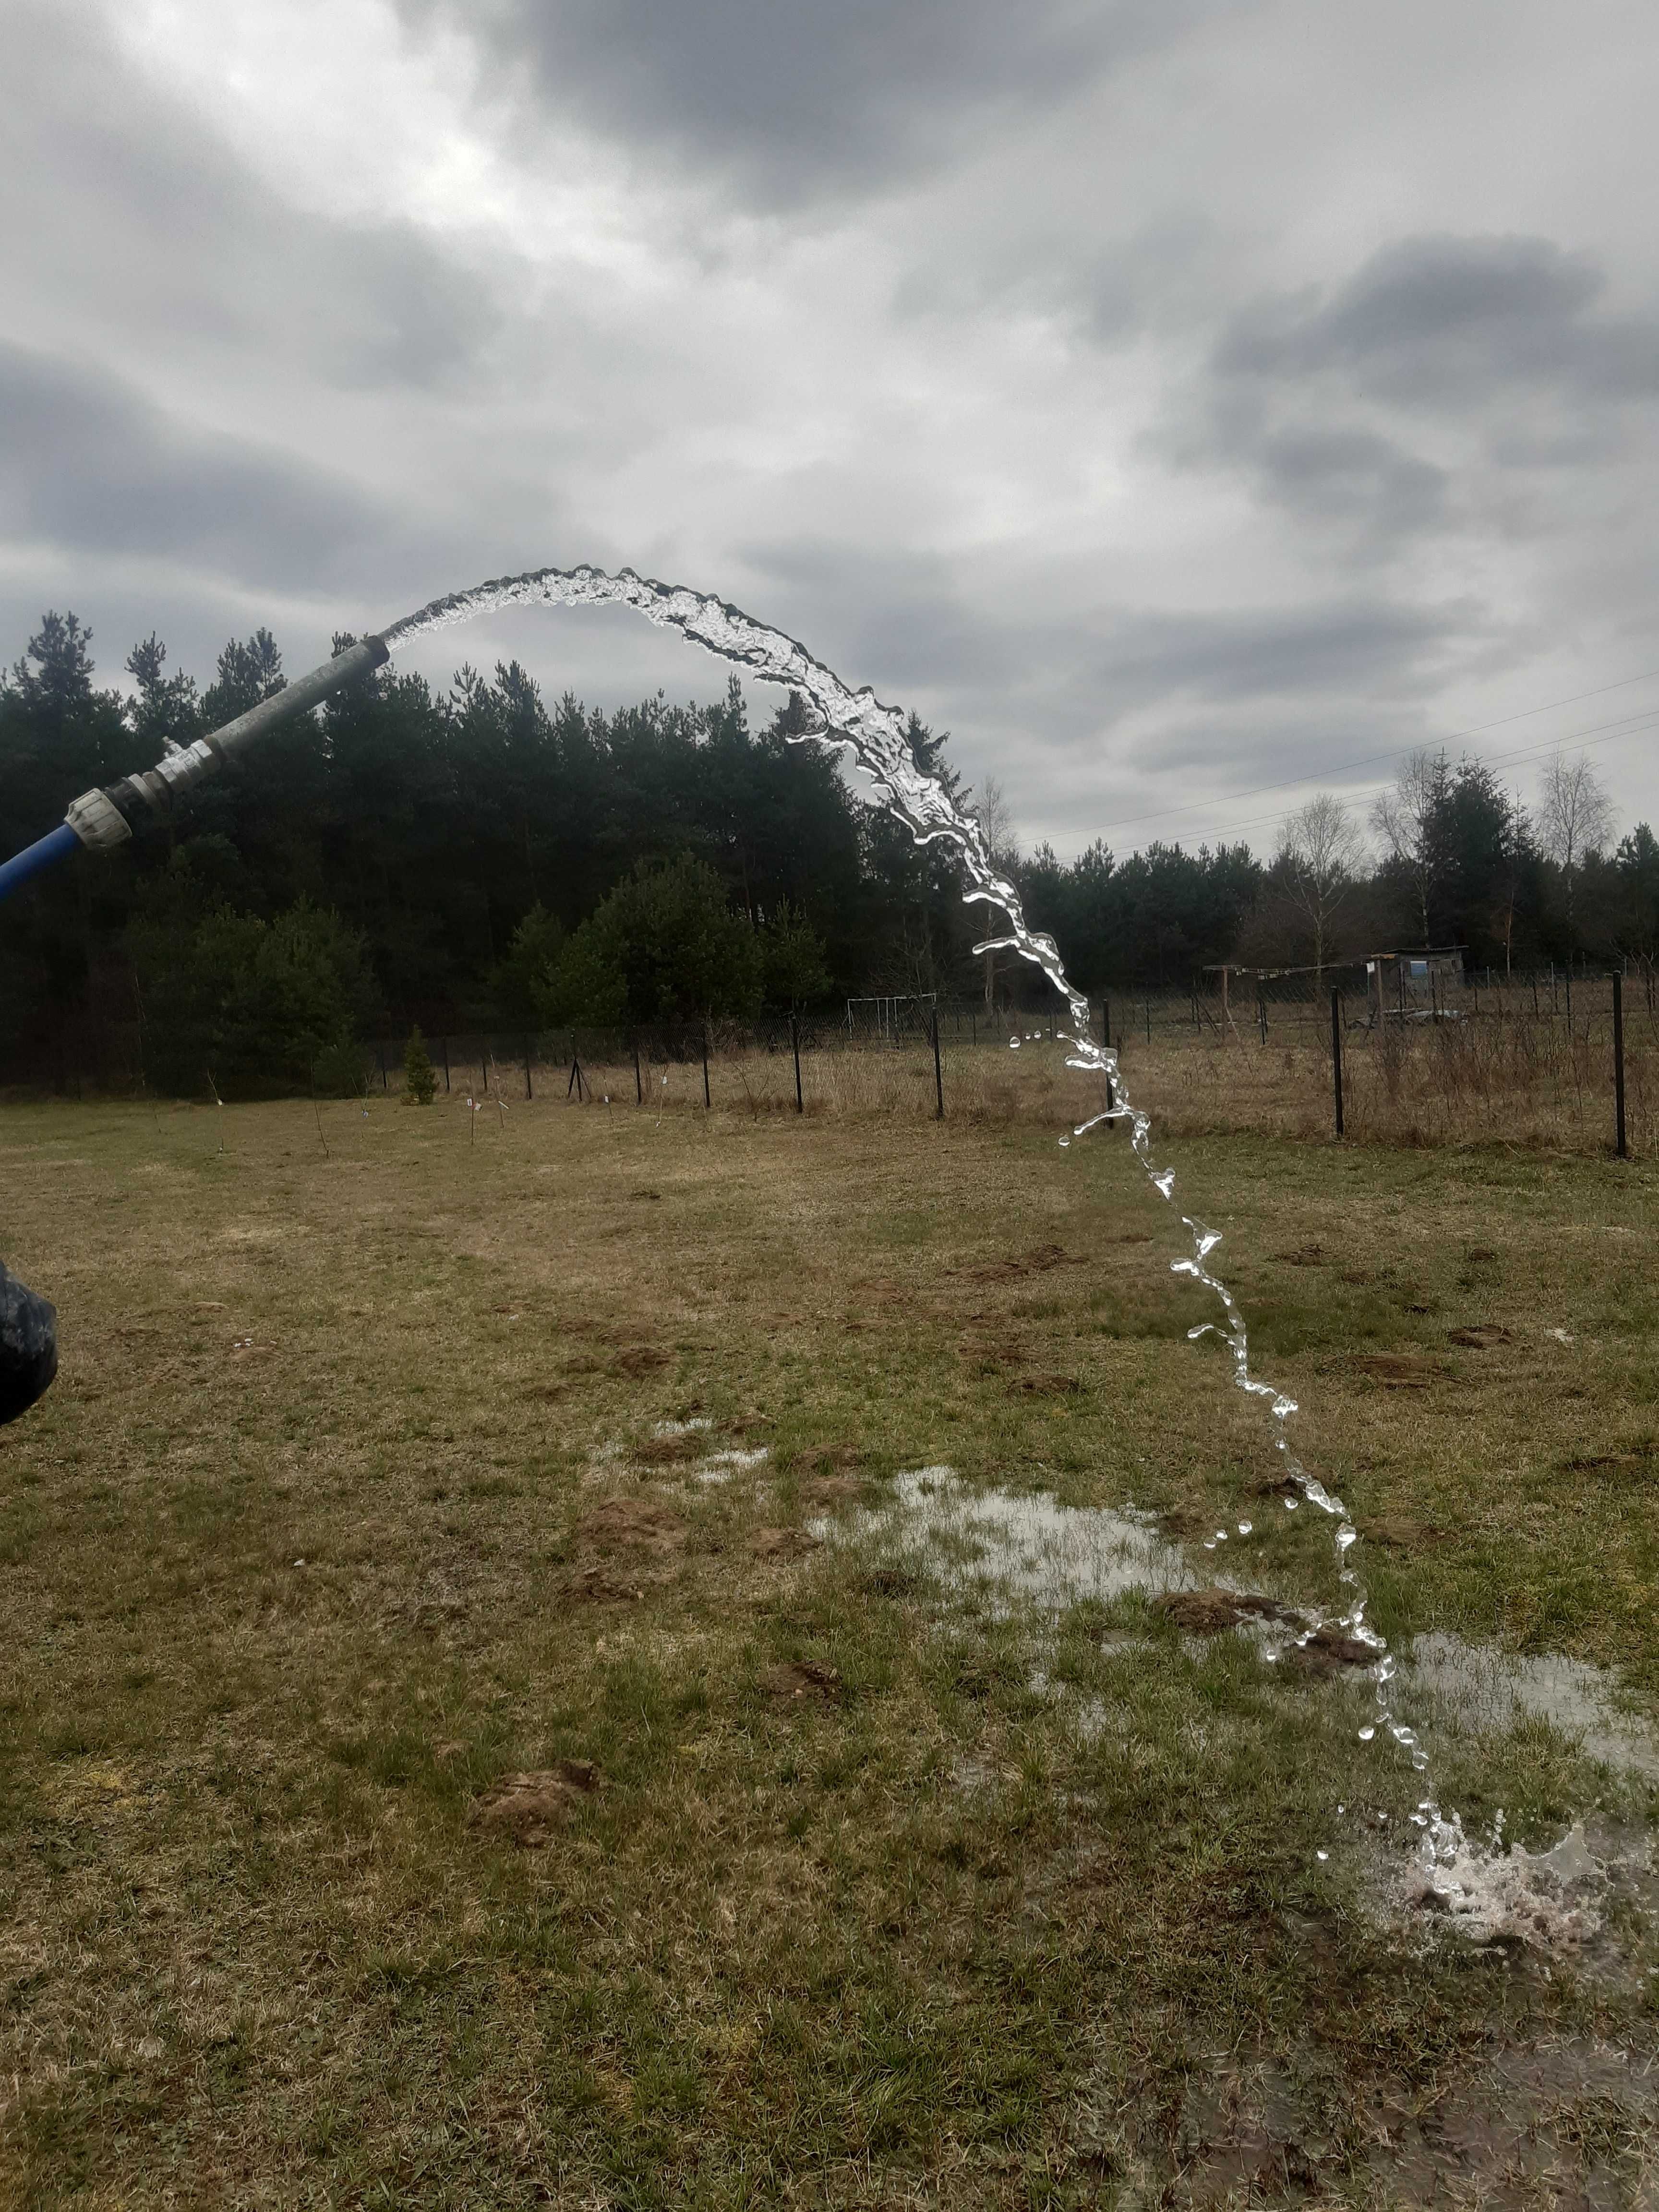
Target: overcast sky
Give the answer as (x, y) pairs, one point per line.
(1170, 397)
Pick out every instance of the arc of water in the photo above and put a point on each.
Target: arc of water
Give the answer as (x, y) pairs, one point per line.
(876, 736)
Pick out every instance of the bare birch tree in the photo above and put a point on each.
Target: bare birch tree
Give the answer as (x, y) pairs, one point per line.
(997, 823)
(1408, 820)
(1320, 853)
(1574, 818)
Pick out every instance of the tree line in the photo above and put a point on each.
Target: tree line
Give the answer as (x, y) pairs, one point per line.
(483, 857)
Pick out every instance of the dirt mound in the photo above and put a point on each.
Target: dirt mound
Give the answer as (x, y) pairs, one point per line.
(531, 1807)
(638, 1359)
(803, 1678)
(779, 1543)
(1480, 1336)
(1327, 1651)
(832, 1490)
(890, 1582)
(1305, 1255)
(1012, 1269)
(631, 1524)
(1401, 1536)
(1398, 1371)
(600, 1585)
(675, 1450)
(620, 1547)
(1208, 1612)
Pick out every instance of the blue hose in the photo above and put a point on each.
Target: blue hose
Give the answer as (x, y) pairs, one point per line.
(16, 872)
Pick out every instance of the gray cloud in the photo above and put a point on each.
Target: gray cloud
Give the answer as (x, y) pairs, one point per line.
(1405, 401)
(1014, 401)
(109, 187)
(89, 467)
(795, 98)
(1450, 323)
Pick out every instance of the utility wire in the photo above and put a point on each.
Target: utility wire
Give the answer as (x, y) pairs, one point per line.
(1598, 733)
(1399, 752)
(1260, 821)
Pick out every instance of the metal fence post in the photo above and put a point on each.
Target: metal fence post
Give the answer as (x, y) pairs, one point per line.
(1106, 1024)
(639, 1081)
(795, 1045)
(1336, 1052)
(528, 1090)
(939, 1074)
(1619, 1063)
(446, 1043)
(705, 1066)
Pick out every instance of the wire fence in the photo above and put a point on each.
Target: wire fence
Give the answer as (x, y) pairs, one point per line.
(1553, 1058)
(1430, 1053)
(919, 1054)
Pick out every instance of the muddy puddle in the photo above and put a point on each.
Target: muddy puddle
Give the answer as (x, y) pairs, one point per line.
(1007, 1554)
(1474, 1689)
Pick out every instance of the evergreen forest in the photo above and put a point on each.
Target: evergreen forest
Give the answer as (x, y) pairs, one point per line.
(486, 858)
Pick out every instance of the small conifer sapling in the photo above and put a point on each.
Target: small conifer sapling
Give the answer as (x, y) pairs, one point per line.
(420, 1083)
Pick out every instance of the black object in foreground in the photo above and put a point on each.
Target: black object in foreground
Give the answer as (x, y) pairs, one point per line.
(28, 1347)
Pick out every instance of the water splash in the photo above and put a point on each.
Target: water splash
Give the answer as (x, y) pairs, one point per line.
(877, 736)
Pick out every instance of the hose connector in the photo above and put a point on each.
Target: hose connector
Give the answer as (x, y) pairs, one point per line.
(105, 818)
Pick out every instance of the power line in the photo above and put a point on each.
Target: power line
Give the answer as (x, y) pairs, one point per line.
(1598, 733)
(1369, 760)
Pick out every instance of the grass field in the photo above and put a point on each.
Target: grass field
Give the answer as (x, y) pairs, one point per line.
(848, 1881)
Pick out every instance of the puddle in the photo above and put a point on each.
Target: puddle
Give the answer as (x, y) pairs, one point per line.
(1477, 1689)
(1552, 1901)
(1008, 1550)
(1567, 2124)
(721, 1466)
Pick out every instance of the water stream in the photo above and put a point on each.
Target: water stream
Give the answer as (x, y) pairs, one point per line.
(877, 737)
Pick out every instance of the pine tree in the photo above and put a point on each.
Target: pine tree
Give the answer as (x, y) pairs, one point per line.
(419, 1084)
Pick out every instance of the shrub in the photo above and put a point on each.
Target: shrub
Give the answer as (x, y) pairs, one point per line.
(261, 1003)
(662, 946)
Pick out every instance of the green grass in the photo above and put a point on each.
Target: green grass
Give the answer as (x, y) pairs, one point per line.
(925, 1933)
